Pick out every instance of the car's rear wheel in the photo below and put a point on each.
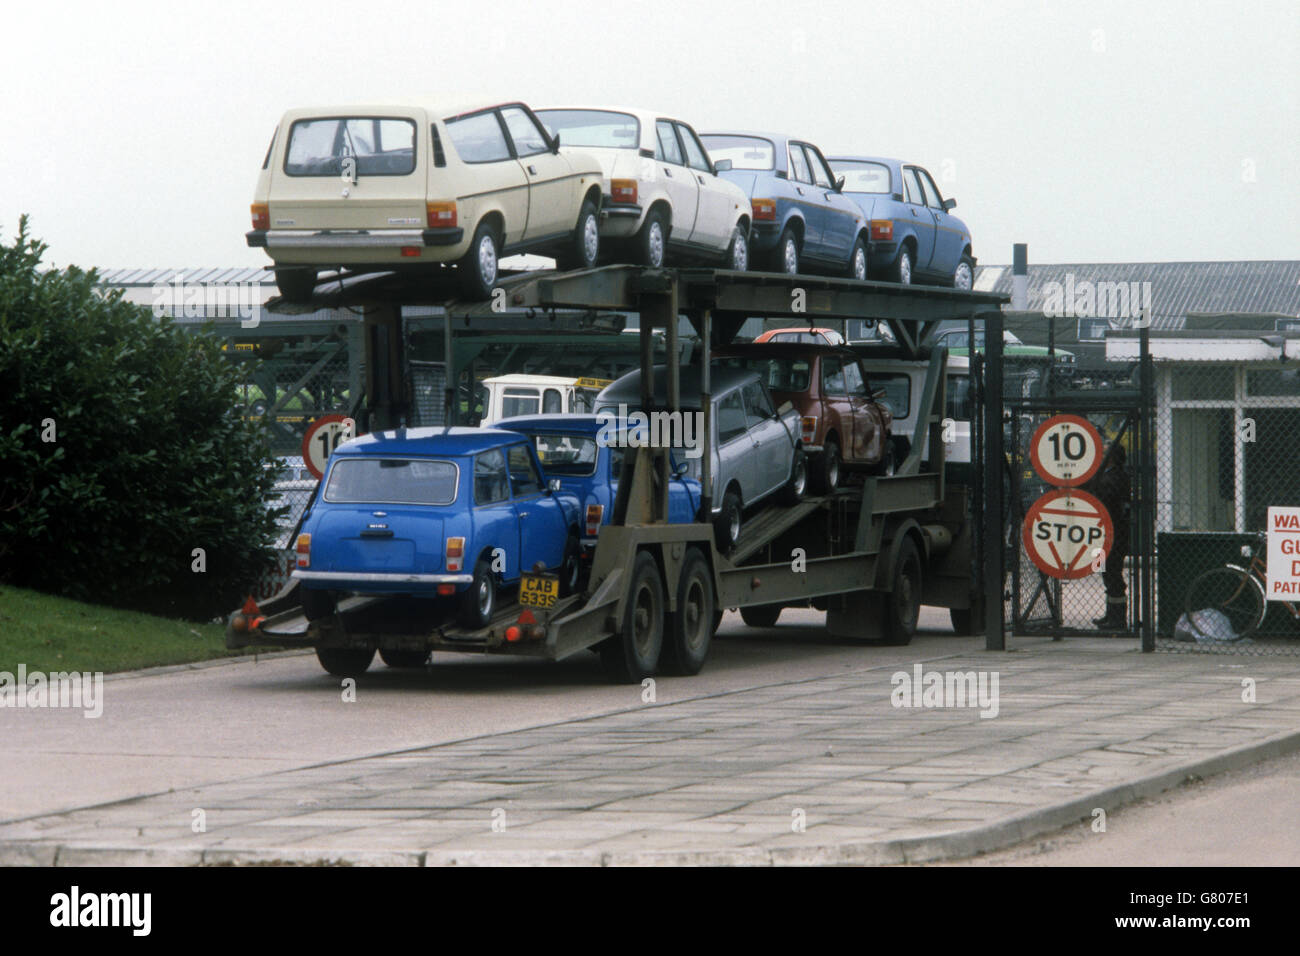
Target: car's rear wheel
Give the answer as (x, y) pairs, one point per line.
(571, 567)
(826, 469)
(479, 600)
(633, 654)
(400, 657)
(652, 240)
(296, 284)
(786, 256)
(583, 247)
(726, 526)
(964, 277)
(858, 260)
(691, 632)
(345, 661)
(792, 491)
(738, 251)
(902, 269)
(888, 461)
(478, 267)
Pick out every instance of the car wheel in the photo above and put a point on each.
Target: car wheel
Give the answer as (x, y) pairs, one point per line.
(761, 615)
(726, 526)
(687, 643)
(964, 277)
(786, 257)
(902, 271)
(903, 602)
(858, 260)
(478, 267)
(738, 251)
(318, 604)
(652, 240)
(888, 462)
(398, 657)
(633, 654)
(345, 661)
(792, 492)
(479, 600)
(583, 247)
(296, 285)
(826, 474)
(571, 567)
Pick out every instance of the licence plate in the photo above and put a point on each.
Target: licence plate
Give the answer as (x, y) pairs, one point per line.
(539, 590)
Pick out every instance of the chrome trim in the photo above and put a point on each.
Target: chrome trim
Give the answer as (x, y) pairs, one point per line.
(376, 577)
(342, 239)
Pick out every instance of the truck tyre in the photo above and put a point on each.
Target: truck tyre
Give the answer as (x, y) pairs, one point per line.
(761, 615)
(691, 627)
(571, 567)
(826, 468)
(726, 526)
(903, 602)
(395, 657)
(345, 661)
(318, 604)
(652, 241)
(583, 247)
(478, 602)
(296, 285)
(478, 267)
(792, 492)
(632, 655)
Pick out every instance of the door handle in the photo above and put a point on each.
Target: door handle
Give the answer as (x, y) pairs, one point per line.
(523, 515)
(668, 172)
(700, 178)
(798, 190)
(532, 170)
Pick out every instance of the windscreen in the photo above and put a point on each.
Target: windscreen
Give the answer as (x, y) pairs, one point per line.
(596, 128)
(860, 177)
(745, 152)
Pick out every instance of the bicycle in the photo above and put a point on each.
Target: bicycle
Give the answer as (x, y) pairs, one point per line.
(1235, 591)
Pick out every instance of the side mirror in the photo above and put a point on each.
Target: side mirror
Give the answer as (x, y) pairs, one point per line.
(722, 165)
(839, 185)
(680, 468)
(555, 143)
(553, 485)
(949, 204)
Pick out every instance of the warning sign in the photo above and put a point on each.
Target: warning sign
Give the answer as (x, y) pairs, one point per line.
(1066, 450)
(1283, 554)
(325, 434)
(1067, 533)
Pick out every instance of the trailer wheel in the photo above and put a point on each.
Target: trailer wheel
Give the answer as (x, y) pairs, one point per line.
(479, 601)
(687, 642)
(345, 661)
(903, 602)
(726, 526)
(318, 604)
(398, 657)
(633, 655)
(761, 615)
(792, 492)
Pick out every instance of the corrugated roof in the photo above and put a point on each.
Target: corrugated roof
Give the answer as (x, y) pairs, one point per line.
(149, 277)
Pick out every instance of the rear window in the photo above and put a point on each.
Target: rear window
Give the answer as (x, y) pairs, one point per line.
(380, 146)
(571, 455)
(392, 481)
(780, 374)
(602, 129)
(862, 177)
(745, 152)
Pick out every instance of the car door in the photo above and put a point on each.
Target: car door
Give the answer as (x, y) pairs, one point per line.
(495, 523)
(542, 528)
(716, 212)
(842, 214)
(678, 180)
(921, 218)
(949, 239)
(868, 436)
(771, 442)
(807, 197)
(737, 457)
(492, 172)
(551, 205)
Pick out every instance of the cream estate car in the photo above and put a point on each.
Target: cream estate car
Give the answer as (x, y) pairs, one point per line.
(375, 188)
(663, 197)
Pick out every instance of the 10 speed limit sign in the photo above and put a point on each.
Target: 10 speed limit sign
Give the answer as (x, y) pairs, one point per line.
(325, 434)
(1067, 533)
(1066, 450)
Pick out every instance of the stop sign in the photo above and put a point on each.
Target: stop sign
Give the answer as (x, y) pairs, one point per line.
(1065, 532)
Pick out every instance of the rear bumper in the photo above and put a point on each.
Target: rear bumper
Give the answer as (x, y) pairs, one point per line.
(347, 578)
(620, 219)
(273, 239)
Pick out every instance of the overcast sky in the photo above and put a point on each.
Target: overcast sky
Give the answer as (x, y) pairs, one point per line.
(1095, 132)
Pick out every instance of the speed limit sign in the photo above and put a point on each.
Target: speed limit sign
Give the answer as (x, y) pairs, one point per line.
(325, 434)
(1066, 450)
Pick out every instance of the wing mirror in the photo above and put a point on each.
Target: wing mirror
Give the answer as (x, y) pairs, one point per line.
(555, 143)
(949, 204)
(553, 485)
(839, 185)
(722, 165)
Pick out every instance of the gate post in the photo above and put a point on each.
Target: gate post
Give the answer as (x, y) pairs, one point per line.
(994, 539)
(1146, 490)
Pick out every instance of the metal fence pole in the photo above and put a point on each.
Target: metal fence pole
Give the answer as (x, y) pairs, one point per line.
(1147, 490)
(994, 550)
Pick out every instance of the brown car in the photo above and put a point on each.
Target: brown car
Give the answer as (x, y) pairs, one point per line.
(844, 425)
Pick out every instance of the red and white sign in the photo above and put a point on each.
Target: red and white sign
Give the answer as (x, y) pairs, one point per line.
(1065, 532)
(1066, 450)
(325, 434)
(1283, 554)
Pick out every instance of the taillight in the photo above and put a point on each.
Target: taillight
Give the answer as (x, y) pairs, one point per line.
(809, 426)
(442, 215)
(882, 229)
(622, 190)
(594, 514)
(304, 551)
(764, 208)
(410, 252)
(455, 554)
(261, 215)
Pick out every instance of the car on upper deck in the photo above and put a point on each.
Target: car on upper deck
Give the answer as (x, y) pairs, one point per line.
(802, 222)
(418, 188)
(665, 200)
(811, 336)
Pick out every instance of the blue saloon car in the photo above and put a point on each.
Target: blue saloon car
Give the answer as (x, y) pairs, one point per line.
(451, 513)
(914, 235)
(569, 451)
(802, 222)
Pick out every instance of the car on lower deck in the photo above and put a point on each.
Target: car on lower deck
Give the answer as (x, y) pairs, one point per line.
(802, 222)
(456, 514)
(843, 420)
(914, 237)
(416, 188)
(665, 199)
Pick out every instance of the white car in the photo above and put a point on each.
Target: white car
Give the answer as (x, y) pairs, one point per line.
(663, 196)
(414, 188)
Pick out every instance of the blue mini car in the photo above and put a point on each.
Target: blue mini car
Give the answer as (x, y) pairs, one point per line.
(456, 513)
(914, 236)
(569, 450)
(801, 220)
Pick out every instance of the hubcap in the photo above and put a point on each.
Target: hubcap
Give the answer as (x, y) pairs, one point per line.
(484, 597)
(962, 280)
(905, 268)
(859, 264)
(656, 244)
(739, 252)
(833, 469)
(590, 239)
(487, 260)
(791, 257)
(800, 476)
(734, 525)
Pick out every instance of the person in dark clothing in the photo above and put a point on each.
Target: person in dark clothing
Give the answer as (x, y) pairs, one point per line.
(1114, 489)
